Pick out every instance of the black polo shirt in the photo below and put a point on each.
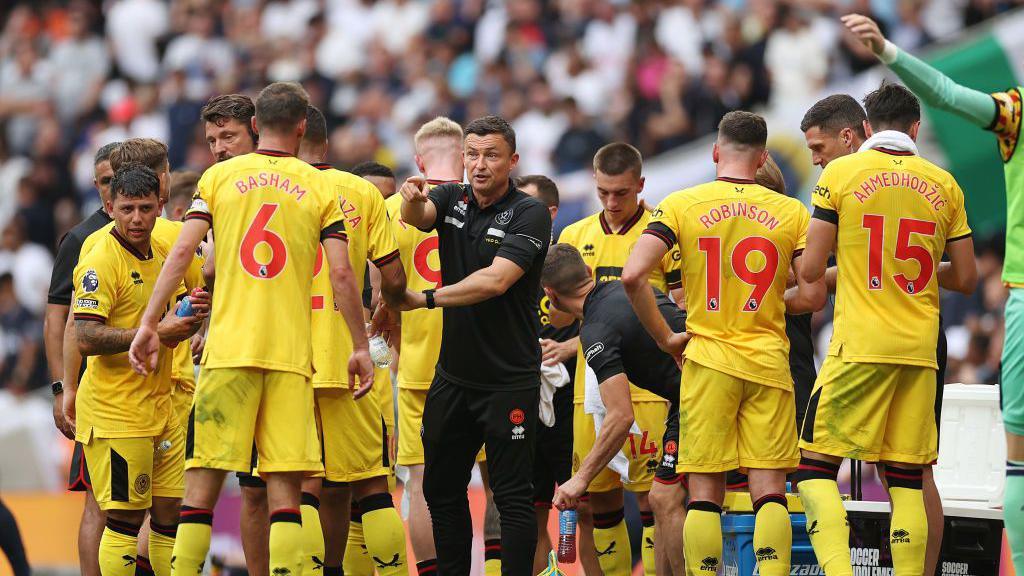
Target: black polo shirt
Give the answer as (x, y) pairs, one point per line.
(801, 361)
(492, 344)
(615, 342)
(61, 279)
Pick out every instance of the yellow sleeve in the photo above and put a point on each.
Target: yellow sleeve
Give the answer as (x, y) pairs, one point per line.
(803, 221)
(1006, 124)
(826, 191)
(95, 287)
(194, 275)
(383, 247)
(670, 266)
(958, 227)
(567, 236)
(665, 224)
(203, 200)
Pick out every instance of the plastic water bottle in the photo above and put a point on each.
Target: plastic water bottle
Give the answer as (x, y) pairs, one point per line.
(567, 536)
(380, 352)
(184, 308)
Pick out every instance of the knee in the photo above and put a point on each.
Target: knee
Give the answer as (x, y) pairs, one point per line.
(662, 502)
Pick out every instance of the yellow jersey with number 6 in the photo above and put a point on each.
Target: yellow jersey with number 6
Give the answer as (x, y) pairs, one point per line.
(895, 213)
(269, 212)
(739, 239)
(421, 329)
(369, 238)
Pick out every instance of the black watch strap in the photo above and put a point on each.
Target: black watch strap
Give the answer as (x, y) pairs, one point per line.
(57, 387)
(430, 299)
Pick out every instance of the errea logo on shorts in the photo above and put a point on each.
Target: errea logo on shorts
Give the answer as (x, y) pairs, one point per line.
(593, 351)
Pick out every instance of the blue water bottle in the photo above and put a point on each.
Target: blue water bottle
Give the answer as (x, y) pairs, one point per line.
(567, 536)
(184, 307)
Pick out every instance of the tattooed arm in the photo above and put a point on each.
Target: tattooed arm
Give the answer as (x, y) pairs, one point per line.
(97, 339)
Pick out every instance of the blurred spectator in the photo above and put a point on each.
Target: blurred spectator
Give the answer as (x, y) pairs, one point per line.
(207, 61)
(30, 265)
(133, 27)
(576, 147)
(21, 336)
(83, 64)
(794, 57)
(24, 88)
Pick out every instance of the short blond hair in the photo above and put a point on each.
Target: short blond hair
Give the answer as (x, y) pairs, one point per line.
(149, 152)
(770, 176)
(440, 127)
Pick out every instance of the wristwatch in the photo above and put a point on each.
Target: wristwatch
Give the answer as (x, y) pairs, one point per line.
(57, 387)
(430, 299)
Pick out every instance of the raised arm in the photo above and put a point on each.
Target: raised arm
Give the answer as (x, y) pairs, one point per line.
(481, 285)
(932, 86)
(417, 209)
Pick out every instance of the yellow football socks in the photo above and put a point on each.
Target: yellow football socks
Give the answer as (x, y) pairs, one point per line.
(647, 543)
(773, 535)
(286, 542)
(827, 525)
(118, 548)
(492, 557)
(384, 534)
(161, 547)
(312, 536)
(702, 537)
(908, 532)
(192, 542)
(611, 540)
(357, 559)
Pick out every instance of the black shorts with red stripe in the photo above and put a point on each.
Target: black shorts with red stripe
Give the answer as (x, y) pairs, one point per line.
(78, 475)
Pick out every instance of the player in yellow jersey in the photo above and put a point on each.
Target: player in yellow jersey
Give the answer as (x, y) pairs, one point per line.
(736, 406)
(152, 154)
(133, 441)
(268, 211)
(605, 240)
(353, 434)
(438, 145)
(894, 214)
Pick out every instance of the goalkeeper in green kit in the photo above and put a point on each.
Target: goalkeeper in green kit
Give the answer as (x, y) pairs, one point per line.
(999, 113)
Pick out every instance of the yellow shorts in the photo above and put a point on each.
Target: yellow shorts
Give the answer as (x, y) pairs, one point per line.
(727, 423)
(410, 427)
(127, 473)
(872, 412)
(181, 402)
(643, 450)
(235, 406)
(355, 440)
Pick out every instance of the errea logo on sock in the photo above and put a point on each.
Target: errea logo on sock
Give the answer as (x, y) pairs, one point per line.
(709, 564)
(899, 536)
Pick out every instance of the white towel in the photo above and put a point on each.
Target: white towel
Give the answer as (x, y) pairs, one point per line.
(593, 405)
(551, 379)
(892, 139)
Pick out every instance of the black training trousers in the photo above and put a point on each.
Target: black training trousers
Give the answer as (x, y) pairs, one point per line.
(456, 421)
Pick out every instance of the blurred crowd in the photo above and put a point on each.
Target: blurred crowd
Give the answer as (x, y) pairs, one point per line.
(571, 75)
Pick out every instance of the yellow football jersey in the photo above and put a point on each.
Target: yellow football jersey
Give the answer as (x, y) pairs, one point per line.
(421, 329)
(369, 238)
(165, 234)
(113, 284)
(741, 238)
(895, 212)
(606, 253)
(269, 211)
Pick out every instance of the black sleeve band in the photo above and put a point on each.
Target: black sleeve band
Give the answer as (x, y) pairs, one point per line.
(830, 216)
(335, 230)
(961, 237)
(663, 233)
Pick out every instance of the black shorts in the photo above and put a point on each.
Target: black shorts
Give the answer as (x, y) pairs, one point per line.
(666, 472)
(78, 475)
(247, 479)
(552, 463)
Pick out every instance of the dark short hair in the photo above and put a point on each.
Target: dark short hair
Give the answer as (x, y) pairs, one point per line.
(224, 107)
(892, 106)
(134, 181)
(146, 151)
(618, 158)
(492, 125)
(281, 106)
(744, 128)
(564, 269)
(547, 191)
(183, 186)
(833, 113)
(103, 154)
(371, 168)
(316, 126)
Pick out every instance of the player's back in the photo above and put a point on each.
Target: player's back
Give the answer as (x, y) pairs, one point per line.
(268, 212)
(739, 239)
(895, 212)
(421, 329)
(369, 238)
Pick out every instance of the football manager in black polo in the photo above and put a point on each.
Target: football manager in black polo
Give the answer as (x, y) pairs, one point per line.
(493, 240)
